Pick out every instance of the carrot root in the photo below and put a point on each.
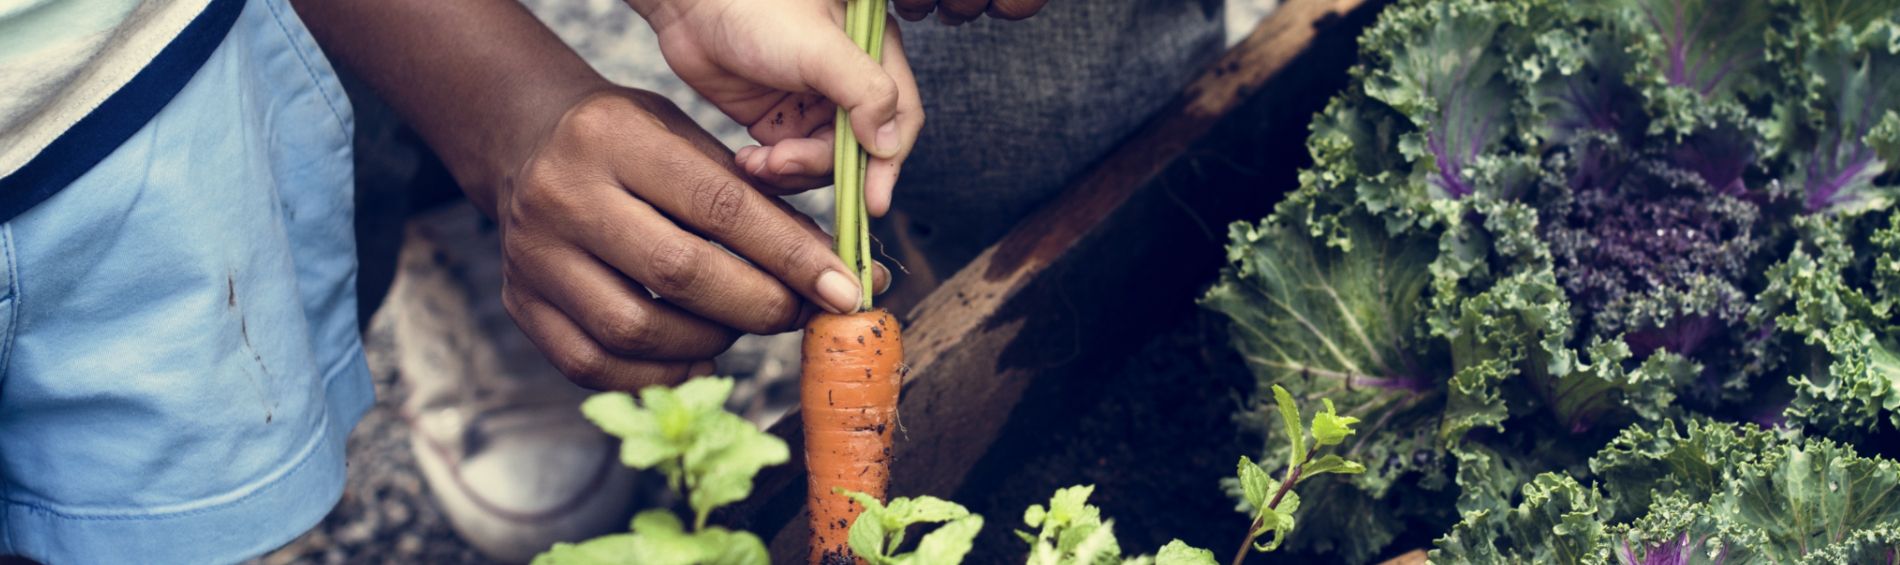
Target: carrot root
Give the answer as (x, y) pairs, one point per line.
(852, 375)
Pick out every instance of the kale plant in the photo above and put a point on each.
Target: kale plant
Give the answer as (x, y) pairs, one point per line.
(1534, 229)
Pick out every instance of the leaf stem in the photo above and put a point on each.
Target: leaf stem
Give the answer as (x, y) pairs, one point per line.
(1292, 476)
(864, 23)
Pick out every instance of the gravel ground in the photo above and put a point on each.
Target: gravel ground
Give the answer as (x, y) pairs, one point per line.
(386, 514)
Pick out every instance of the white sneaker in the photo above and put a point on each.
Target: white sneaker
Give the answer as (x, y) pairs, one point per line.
(498, 432)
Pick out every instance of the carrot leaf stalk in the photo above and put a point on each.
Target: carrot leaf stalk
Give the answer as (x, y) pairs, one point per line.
(864, 22)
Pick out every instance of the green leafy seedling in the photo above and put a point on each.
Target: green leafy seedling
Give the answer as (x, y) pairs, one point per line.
(1270, 503)
(705, 452)
(878, 533)
(1072, 532)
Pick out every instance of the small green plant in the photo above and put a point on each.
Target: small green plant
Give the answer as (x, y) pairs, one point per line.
(1072, 532)
(878, 532)
(1272, 506)
(706, 453)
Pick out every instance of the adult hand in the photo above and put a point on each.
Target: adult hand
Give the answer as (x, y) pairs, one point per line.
(626, 195)
(953, 12)
(782, 67)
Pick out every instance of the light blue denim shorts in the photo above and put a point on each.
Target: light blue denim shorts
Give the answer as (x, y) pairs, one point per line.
(179, 356)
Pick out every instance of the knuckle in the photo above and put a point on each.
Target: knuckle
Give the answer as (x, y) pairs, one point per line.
(779, 312)
(629, 331)
(547, 188)
(719, 201)
(803, 254)
(675, 267)
(584, 367)
(513, 302)
(884, 92)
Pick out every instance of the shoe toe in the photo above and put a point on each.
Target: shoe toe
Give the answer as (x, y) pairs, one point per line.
(525, 488)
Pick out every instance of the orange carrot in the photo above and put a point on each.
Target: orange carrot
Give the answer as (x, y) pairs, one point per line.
(852, 374)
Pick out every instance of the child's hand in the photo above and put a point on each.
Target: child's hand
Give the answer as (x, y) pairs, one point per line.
(954, 12)
(778, 66)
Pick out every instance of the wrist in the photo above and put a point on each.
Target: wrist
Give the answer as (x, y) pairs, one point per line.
(494, 152)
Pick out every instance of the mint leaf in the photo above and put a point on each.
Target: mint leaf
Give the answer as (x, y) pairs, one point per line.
(657, 522)
(1034, 515)
(615, 549)
(1255, 485)
(1178, 553)
(1070, 506)
(1331, 464)
(1290, 421)
(867, 538)
(687, 435)
(1329, 428)
(719, 546)
(1072, 531)
(1279, 520)
(878, 533)
(1098, 546)
(642, 445)
(730, 454)
(948, 544)
(923, 510)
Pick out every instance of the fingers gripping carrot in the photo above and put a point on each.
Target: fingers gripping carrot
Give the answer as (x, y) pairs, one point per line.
(849, 399)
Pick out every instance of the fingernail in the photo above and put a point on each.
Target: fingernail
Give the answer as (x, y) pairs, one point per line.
(744, 152)
(885, 284)
(839, 291)
(887, 137)
(791, 168)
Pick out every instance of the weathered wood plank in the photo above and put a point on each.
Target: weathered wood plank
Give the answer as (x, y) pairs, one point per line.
(1033, 311)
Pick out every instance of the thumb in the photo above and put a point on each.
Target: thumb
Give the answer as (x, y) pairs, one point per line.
(846, 75)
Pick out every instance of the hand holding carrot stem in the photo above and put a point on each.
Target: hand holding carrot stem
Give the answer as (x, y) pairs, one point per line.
(781, 68)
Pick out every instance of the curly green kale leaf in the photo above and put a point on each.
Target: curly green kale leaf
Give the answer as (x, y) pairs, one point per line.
(1558, 521)
(1833, 296)
(1696, 60)
(1436, 63)
(1840, 122)
(1717, 493)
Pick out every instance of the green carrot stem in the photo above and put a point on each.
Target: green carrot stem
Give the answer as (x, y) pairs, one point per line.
(864, 23)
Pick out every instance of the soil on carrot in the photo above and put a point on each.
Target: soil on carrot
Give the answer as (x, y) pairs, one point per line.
(1155, 446)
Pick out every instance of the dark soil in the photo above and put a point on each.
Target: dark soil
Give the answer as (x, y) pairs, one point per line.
(1155, 446)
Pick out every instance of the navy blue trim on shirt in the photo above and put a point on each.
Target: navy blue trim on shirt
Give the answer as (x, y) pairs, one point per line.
(124, 113)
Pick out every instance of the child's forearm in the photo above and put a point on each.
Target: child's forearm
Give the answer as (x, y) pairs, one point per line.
(479, 79)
